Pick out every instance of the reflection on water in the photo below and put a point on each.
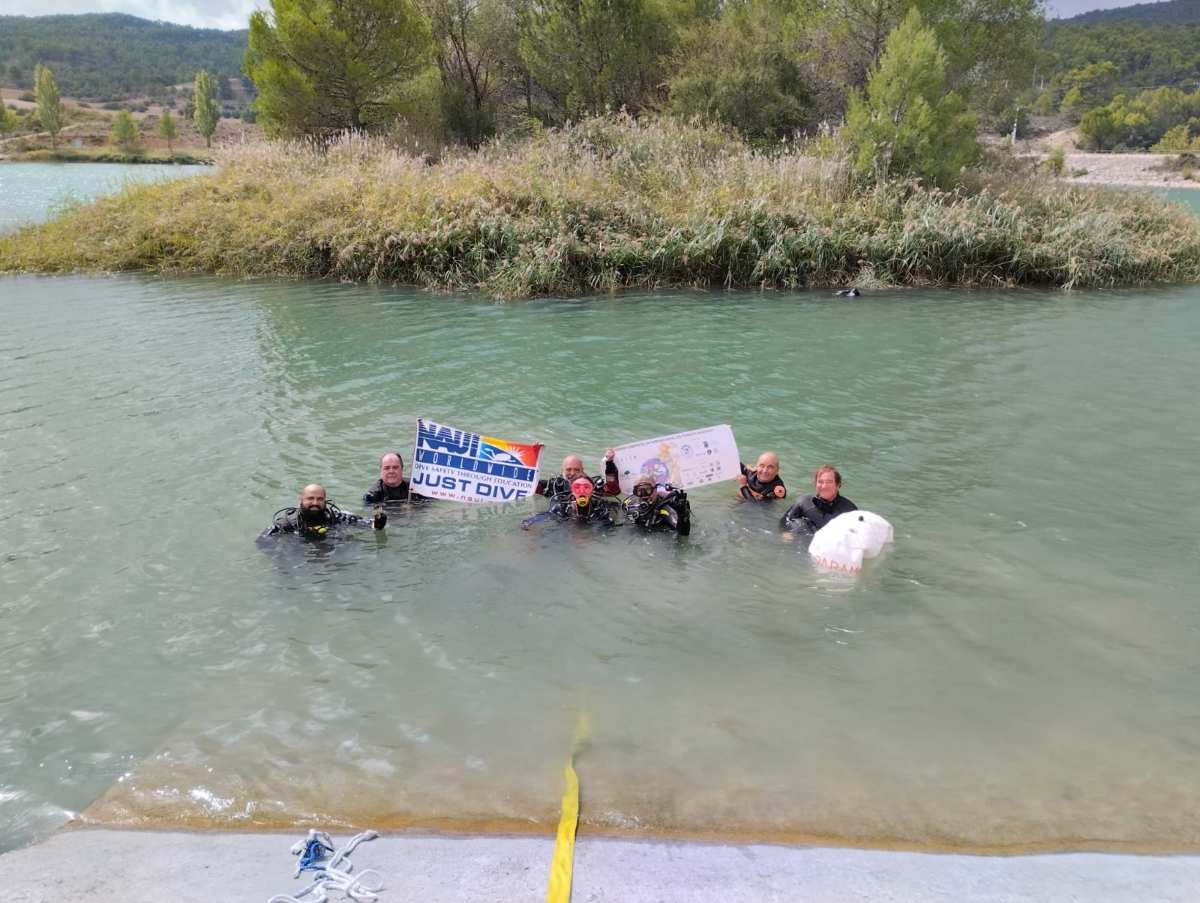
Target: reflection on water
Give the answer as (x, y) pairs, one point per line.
(1020, 668)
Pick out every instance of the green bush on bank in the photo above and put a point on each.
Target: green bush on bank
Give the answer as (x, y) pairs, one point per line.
(605, 204)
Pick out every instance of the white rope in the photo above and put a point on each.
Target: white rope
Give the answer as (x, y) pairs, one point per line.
(335, 875)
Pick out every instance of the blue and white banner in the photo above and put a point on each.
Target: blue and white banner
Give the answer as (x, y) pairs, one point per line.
(461, 466)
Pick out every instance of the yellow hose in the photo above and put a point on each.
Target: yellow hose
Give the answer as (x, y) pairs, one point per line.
(563, 863)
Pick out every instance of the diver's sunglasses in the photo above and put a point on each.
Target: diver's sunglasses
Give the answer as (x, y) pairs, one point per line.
(643, 491)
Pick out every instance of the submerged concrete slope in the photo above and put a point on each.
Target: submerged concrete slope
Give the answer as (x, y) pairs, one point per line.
(91, 866)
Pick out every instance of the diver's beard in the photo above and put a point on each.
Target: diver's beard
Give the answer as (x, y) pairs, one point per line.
(312, 518)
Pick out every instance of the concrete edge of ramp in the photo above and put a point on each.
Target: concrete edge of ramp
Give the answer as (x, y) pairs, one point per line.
(89, 865)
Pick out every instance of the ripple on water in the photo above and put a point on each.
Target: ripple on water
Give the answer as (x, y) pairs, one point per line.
(957, 692)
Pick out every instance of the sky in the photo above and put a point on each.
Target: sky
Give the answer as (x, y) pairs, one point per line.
(226, 14)
(236, 13)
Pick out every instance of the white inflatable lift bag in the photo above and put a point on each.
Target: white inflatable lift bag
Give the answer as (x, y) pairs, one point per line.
(845, 541)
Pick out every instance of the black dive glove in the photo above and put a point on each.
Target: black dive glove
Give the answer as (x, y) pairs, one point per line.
(380, 519)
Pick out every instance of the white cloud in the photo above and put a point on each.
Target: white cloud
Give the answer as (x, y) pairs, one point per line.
(200, 13)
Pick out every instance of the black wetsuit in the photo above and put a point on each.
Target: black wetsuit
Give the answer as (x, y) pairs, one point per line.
(563, 508)
(559, 486)
(672, 511)
(380, 493)
(597, 512)
(812, 512)
(766, 490)
(288, 520)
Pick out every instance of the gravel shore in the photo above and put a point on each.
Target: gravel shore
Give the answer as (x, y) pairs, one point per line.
(1125, 169)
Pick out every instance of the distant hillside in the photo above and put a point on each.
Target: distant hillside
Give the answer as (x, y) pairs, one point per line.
(1171, 12)
(108, 56)
(1152, 44)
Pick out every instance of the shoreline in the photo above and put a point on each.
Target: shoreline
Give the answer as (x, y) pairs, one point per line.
(1122, 171)
(451, 827)
(116, 157)
(134, 866)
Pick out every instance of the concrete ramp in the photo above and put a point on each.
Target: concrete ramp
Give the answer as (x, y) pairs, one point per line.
(91, 866)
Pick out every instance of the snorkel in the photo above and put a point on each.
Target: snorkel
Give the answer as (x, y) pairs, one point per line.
(581, 492)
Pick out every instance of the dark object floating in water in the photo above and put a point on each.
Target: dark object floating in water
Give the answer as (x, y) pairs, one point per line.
(848, 293)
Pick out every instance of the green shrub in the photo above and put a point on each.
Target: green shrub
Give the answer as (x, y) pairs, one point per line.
(1056, 161)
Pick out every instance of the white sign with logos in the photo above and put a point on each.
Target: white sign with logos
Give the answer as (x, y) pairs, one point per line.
(686, 460)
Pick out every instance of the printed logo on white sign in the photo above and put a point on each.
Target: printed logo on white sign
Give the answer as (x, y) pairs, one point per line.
(686, 460)
(468, 467)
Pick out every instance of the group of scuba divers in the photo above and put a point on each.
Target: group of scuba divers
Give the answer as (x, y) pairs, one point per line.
(576, 497)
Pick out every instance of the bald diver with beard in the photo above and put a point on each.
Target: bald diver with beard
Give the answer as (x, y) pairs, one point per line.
(317, 518)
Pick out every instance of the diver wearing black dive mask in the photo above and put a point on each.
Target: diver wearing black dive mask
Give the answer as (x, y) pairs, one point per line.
(658, 507)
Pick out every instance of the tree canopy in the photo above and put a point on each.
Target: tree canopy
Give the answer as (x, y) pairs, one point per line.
(907, 123)
(124, 132)
(324, 66)
(594, 55)
(167, 129)
(50, 110)
(748, 69)
(205, 113)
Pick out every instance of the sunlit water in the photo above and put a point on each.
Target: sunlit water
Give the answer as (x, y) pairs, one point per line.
(1019, 669)
(33, 192)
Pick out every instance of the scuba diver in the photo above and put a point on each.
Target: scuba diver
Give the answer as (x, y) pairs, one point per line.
(814, 511)
(391, 485)
(655, 507)
(317, 518)
(559, 487)
(581, 506)
(761, 483)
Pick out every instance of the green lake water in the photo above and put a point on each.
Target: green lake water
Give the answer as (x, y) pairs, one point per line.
(32, 192)
(1019, 669)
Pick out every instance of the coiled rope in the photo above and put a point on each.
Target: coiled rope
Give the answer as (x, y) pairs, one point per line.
(334, 875)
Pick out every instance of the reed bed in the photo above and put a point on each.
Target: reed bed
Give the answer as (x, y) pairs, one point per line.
(607, 204)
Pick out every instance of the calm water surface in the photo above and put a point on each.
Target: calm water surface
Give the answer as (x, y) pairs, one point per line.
(1020, 668)
(33, 192)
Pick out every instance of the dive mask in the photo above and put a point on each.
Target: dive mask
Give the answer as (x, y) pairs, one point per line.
(582, 489)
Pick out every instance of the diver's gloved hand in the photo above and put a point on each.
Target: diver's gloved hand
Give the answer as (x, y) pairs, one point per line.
(380, 519)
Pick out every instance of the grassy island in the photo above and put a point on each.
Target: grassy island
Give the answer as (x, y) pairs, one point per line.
(606, 204)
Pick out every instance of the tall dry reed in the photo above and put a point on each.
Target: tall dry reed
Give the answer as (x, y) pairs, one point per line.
(605, 204)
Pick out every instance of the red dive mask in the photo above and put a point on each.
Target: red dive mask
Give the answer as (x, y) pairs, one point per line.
(582, 489)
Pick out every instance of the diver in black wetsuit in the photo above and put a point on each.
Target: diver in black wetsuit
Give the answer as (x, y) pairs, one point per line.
(583, 505)
(654, 507)
(391, 485)
(761, 483)
(814, 511)
(558, 489)
(316, 518)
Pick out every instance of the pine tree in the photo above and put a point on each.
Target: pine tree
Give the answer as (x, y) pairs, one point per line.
(907, 124)
(207, 112)
(324, 66)
(50, 110)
